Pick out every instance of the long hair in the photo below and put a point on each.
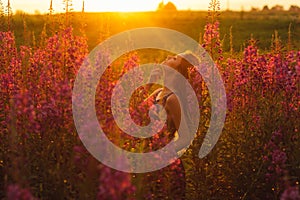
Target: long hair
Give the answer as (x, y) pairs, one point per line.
(188, 61)
(183, 68)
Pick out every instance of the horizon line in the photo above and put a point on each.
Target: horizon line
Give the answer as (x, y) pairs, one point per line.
(37, 12)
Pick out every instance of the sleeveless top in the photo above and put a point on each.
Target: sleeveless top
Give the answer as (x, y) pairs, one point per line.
(170, 124)
(164, 98)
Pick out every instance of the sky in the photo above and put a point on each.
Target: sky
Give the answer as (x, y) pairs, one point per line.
(30, 6)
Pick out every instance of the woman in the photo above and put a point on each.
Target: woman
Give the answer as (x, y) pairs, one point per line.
(169, 182)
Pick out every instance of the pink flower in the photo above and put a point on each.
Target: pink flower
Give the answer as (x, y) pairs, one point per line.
(290, 193)
(15, 192)
(279, 157)
(114, 185)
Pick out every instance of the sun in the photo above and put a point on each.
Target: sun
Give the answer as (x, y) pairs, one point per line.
(120, 5)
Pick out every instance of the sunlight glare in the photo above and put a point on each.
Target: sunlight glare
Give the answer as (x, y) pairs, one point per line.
(121, 5)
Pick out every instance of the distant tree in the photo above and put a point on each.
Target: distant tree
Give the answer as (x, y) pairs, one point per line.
(277, 8)
(170, 6)
(37, 12)
(294, 8)
(254, 9)
(265, 8)
(161, 5)
(19, 12)
(166, 7)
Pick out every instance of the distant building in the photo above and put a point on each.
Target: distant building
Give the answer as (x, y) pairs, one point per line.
(166, 7)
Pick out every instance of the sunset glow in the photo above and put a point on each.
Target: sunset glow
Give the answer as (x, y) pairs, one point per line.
(121, 5)
(141, 5)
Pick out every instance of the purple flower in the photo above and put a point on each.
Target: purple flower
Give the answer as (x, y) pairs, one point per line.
(15, 192)
(114, 185)
(279, 157)
(290, 193)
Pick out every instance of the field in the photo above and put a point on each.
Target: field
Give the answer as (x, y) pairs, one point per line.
(99, 26)
(256, 157)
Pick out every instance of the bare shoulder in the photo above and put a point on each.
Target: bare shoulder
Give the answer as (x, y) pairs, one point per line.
(173, 110)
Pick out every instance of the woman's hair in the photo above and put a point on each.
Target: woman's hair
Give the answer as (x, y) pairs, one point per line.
(188, 60)
(183, 68)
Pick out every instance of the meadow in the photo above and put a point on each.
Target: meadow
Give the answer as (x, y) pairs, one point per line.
(99, 26)
(256, 157)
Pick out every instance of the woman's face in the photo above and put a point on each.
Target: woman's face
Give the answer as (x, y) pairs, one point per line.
(172, 61)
